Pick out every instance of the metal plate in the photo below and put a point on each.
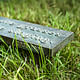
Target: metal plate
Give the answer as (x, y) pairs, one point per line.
(47, 37)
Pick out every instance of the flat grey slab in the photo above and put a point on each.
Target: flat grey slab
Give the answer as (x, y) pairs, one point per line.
(35, 34)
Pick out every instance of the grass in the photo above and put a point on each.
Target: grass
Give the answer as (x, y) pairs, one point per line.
(15, 65)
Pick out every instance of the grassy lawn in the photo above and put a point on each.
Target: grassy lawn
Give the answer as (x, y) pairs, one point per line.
(60, 14)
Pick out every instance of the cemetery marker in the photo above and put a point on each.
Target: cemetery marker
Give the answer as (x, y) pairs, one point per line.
(49, 39)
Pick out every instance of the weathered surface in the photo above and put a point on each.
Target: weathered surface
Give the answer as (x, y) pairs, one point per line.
(48, 38)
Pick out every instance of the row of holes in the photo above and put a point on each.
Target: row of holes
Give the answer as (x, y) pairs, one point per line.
(31, 28)
(36, 37)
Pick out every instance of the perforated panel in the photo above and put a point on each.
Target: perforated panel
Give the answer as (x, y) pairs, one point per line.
(35, 34)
